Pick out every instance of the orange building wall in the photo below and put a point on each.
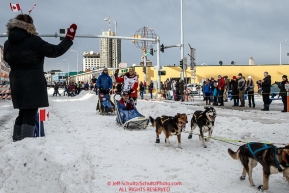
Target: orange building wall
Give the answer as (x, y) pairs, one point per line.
(202, 72)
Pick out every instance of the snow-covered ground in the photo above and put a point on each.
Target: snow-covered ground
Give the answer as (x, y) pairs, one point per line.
(87, 152)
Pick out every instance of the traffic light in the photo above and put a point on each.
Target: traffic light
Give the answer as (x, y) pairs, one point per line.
(162, 48)
(144, 69)
(221, 63)
(151, 51)
(185, 63)
(181, 64)
(61, 31)
(192, 58)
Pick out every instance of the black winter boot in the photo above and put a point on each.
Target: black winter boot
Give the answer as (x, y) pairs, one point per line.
(266, 108)
(27, 131)
(16, 133)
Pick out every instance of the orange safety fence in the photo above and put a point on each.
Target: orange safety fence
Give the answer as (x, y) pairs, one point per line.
(5, 92)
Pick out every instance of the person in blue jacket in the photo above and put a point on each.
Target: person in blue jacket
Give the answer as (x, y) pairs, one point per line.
(104, 85)
(207, 91)
(104, 82)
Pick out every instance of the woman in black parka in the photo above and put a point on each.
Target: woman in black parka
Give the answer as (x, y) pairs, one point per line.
(283, 92)
(24, 51)
(266, 91)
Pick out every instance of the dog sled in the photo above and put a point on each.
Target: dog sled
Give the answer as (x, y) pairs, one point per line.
(130, 119)
(104, 104)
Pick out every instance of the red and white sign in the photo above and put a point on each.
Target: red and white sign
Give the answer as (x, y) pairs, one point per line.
(122, 65)
(15, 7)
(43, 115)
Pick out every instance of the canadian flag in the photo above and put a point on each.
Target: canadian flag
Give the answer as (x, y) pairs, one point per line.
(15, 7)
(32, 8)
(43, 115)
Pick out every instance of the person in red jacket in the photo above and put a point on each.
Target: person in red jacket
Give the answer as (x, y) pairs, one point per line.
(126, 103)
(221, 88)
(129, 81)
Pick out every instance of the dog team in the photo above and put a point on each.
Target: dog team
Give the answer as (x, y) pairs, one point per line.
(272, 158)
(170, 125)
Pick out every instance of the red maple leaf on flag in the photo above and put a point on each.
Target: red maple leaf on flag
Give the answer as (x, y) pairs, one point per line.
(15, 7)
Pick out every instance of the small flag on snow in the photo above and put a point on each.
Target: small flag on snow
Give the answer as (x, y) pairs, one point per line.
(43, 115)
(15, 7)
(32, 8)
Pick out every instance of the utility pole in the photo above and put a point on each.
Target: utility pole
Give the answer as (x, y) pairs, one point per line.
(158, 64)
(182, 39)
(145, 67)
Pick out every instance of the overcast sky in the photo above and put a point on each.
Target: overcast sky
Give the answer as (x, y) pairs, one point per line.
(219, 29)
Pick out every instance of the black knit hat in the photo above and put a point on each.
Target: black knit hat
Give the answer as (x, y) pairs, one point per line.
(284, 76)
(124, 93)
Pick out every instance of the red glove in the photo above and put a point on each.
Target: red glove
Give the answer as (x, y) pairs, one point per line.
(71, 31)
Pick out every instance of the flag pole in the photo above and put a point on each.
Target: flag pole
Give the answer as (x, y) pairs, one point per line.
(39, 123)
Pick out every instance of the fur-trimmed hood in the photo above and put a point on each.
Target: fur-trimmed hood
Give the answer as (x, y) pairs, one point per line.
(30, 28)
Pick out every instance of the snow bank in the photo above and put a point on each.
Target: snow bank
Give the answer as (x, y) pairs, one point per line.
(87, 152)
(45, 164)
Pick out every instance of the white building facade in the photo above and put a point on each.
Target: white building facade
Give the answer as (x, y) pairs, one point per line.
(91, 61)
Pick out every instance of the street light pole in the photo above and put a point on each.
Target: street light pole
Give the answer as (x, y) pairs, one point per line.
(116, 40)
(115, 25)
(61, 72)
(76, 64)
(182, 39)
(280, 50)
(158, 65)
(62, 66)
(67, 70)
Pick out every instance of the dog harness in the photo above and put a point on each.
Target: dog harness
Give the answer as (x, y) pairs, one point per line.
(164, 120)
(198, 116)
(207, 121)
(177, 132)
(263, 148)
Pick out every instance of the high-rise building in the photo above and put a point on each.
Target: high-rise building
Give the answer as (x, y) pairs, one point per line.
(108, 55)
(91, 61)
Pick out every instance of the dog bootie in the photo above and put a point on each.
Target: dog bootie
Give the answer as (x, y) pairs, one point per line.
(16, 133)
(27, 131)
(190, 136)
(157, 140)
